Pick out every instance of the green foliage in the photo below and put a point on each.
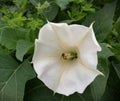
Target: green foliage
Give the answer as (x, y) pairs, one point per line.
(34, 23)
(117, 25)
(12, 82)
(62, 3)
(98, 87)
(117, 68)
(103, 21)
(22, 47)
(47, 9)
(41, 8)
(21, 3)
(115, 49)
(79, 9)
(20, 21)
(14, 20)
(40, 92)
(9, 37)
(4, 50)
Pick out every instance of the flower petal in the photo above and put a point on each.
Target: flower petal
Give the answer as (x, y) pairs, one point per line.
(49, 71)
(76, 79)
(45, 50)
(47, 64)
(78, 32)
(63, 33)
(88, 49)
(47, 35)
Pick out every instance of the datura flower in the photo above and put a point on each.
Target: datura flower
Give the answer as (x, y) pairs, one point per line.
(65, 57)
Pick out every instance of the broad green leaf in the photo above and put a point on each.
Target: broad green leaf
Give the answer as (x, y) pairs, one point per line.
(37, 91)
(9, 37)
(13, 77)
(99, 85)
(117, 68)
(103, 21)
(23, 46)
(62, 3)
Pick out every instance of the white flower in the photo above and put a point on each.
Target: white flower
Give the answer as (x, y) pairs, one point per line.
(65, 57)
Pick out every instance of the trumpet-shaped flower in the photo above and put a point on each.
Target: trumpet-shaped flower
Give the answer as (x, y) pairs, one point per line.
(65, 57)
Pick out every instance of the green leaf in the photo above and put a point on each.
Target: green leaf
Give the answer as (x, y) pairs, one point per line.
(116, 50)
(51, 12)
(23, 46)
(103, 21)
(117, 68)
(106, 52)
(117, 25)
(9, 37)
(37, 91)
(62, 3)
(4, 50)
(99, 85)
(112, 91)
(13, 78)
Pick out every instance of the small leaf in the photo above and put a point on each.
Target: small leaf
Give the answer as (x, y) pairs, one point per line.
(99, 85)
(103, 21)
(22, 48)
(13, 78)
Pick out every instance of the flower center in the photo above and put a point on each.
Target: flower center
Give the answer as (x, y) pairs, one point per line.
(69, 55)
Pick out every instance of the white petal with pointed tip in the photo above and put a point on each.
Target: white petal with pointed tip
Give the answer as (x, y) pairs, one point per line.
(88, 49)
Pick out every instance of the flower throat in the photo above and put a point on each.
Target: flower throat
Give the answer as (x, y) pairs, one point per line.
(69, 55)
